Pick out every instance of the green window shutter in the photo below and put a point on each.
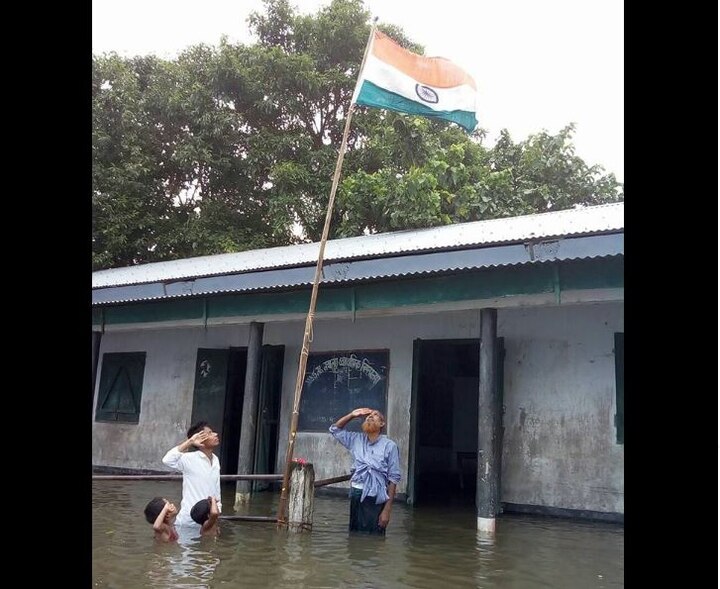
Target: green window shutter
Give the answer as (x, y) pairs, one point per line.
(120, 388)
(620, 387)
(107, 393)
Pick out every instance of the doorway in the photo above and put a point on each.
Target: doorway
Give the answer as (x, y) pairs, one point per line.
(218, 399)
(232, 421)
(446, 401)
(444, 424)
(268, 421)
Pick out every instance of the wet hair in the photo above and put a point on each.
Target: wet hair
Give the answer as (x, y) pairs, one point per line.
(197, 427)
(153, 509)
(200, 512)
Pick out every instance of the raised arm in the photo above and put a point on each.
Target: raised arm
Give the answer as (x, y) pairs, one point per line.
(218, 495)
(174, 455)
(213, 516)
(359, 412)
(159, 523)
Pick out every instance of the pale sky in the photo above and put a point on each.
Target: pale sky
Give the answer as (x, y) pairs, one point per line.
(538, 64)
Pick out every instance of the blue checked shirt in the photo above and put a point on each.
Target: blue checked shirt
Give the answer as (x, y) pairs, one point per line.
(375, 464)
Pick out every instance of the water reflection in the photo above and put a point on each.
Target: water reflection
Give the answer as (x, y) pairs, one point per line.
(185, 564)
(424, 548)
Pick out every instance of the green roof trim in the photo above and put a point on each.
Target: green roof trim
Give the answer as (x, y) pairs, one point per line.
(531, 279)
(154, 312)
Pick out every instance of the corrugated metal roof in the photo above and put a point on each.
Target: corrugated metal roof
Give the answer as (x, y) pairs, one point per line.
(582, 221)
(572, 248)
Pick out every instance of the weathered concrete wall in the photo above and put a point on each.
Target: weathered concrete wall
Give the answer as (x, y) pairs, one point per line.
(396, 334)
(166, 404)
(559, 445)
(170, 371)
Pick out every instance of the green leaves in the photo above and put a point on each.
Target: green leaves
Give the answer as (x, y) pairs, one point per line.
(233, 147)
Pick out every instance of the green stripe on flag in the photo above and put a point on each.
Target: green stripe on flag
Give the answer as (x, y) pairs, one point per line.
(372, 95)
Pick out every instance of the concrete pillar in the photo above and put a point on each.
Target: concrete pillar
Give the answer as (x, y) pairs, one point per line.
(486, 499)
(300, 500)
(246, 455)
(96, 337)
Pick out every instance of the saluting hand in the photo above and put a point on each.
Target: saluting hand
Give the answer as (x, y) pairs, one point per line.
(198, 438)
(361, 411)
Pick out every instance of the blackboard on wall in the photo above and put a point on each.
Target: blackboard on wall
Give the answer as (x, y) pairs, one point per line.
(338, 382)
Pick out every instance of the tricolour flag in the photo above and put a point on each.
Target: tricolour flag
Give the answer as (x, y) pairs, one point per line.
(397, 79)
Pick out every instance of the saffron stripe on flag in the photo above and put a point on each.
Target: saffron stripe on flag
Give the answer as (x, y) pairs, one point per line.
(433, 71)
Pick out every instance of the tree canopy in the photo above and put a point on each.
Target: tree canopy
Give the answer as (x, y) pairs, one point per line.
(233, 147)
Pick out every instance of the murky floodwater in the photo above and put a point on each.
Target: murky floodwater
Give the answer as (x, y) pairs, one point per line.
(425, 547)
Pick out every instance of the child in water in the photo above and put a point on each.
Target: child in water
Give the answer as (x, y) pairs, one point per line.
(206, 513)
(161, 514)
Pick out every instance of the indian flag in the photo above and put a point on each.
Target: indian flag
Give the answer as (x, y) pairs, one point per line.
(397, 79)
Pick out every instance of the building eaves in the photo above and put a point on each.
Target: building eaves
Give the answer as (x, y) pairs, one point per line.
(389, 267)
(559, 224)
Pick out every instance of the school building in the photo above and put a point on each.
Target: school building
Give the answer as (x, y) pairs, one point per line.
(497, 343)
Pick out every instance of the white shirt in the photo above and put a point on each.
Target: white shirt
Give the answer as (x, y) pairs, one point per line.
(201, 479)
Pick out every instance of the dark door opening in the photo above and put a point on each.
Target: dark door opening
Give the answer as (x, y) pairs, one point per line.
(234, 397)
(218, 399)
(446, 421)
(266, 441)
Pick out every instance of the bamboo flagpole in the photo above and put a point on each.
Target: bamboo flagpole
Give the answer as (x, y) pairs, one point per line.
(307, 337)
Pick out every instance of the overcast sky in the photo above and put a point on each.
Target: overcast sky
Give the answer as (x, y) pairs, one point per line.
(538, 64)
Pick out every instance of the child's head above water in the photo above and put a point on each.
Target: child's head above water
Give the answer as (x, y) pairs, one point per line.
(154, 507)
(200, 512)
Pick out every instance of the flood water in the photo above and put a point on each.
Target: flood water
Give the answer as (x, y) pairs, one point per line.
(425, 547)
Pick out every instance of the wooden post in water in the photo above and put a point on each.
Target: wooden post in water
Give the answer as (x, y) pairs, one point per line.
(302, 495)
(246, 453)
(486, 498)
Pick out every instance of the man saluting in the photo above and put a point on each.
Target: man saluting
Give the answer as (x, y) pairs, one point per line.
(375, 473)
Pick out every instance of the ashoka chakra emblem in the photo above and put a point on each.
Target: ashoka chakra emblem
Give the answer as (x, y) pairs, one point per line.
(426, 94)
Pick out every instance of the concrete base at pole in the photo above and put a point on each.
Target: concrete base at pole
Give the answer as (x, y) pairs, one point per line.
(486, 525)
(241, 499)
(302, 494)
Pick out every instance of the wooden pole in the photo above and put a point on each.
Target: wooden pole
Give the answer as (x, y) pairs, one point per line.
(249, 518)
(223, 477)
(331, 481)
(307, 337)
(178, 477)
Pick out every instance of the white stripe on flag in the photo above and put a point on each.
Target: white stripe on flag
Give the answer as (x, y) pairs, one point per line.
(389, 78)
